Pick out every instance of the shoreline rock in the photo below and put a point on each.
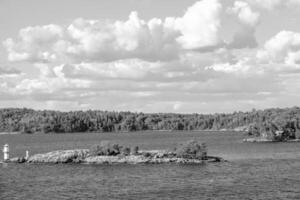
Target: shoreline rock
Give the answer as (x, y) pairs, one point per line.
(265, 140)
(60, 156)
(10, 133)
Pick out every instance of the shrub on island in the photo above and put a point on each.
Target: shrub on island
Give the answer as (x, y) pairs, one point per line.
(134, 150)
(125, 151)
(191, 150)
(106, 148)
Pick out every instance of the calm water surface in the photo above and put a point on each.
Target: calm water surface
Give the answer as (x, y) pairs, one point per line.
(254, 171)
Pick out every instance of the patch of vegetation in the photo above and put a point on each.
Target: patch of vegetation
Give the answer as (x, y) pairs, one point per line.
(125, 151)
(134, 150)
(107, 148)
(147, 154)
(191, 150)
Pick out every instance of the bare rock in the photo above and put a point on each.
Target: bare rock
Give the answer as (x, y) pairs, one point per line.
(62, 156)
(17, 160)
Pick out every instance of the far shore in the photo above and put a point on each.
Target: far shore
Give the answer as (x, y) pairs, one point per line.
(53, 133)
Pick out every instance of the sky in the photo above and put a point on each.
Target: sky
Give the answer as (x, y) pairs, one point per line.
(188, 56)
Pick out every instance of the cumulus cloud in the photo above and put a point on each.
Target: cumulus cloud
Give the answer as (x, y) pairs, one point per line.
(200, 25)
(179, 64)
(245, 13)
(134, 38)
(34, 44)
(94, 40)
(283, 48)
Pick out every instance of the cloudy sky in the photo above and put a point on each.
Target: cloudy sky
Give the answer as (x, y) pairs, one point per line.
(150, 55)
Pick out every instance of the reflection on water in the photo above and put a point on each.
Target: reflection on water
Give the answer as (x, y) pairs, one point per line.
(255, 171)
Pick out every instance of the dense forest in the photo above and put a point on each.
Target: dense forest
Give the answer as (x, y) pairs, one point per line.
(270, 122)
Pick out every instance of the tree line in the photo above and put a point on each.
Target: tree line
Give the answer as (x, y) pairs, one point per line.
(269, 121)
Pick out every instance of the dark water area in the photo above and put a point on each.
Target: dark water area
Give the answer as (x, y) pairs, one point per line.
(254, 171)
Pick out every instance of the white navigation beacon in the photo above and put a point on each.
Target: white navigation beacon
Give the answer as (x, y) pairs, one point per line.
(6, 152)
(27, 155)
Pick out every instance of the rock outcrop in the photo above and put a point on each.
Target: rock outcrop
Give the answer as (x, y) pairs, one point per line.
(191, 152)
(262, 139)
(82, 156)
(61, 156)
(17, 160)
(257, 139)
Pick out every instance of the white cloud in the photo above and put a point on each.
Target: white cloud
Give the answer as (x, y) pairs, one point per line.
(245, 13)
(34, 44)
(283, 48)
(200, 25)
(104, 41)
(134, 38)
(156, 65)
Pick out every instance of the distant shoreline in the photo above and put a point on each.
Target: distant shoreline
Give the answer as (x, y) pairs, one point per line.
(52, 133)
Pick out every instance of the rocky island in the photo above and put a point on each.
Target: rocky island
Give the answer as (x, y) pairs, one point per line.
(272, 132)
(191, 152)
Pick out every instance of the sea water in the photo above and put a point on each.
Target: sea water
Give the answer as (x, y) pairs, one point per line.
(253, 171)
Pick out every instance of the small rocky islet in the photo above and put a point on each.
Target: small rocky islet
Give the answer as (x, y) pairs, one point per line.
(270, 136)
(191, 152)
